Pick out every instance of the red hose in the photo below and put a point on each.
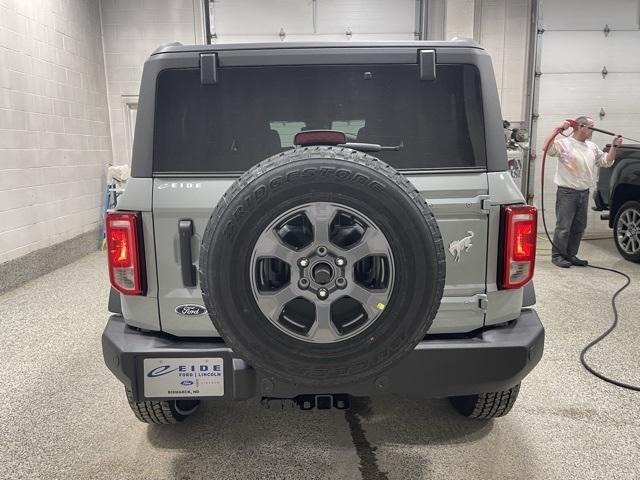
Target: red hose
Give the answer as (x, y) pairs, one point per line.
(584, 351)
(544, 161)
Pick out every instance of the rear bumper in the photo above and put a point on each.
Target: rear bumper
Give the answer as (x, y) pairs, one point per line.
(494, 359)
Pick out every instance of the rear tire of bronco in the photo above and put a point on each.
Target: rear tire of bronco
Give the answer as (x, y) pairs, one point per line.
(162, 412)
(486, 405)
(322, 266)
(626, 231)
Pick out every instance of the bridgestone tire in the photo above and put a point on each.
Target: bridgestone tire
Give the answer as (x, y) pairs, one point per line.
(486, 405)
(162, 412)
(627, 207)
(322, 174)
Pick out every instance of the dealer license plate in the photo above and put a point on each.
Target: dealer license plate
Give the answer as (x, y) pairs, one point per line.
(183, 377)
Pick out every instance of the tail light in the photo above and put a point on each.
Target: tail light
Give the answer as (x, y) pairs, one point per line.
(124, 252)
(519, 228)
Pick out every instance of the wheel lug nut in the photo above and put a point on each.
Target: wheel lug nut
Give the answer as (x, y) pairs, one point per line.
(321, 251)
(341, 282)
(323, 293)
(303, 262)
(303, 283)
(340, 262)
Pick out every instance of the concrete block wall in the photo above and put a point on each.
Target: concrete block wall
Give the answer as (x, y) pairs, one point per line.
(460, 19)
(132, 29)
(501, 27)
(61, 122)
(503, 33)
(54, 125)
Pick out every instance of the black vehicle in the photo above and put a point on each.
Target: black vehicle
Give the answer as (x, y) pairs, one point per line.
(618, 191)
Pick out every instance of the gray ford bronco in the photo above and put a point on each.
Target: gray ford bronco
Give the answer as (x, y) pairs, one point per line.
(314, 221)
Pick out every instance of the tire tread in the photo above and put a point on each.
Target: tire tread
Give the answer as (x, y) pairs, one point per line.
(489, 405)
(325, 152)
(152, 412)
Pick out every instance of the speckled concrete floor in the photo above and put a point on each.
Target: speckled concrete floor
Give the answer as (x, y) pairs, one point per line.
(63, 415)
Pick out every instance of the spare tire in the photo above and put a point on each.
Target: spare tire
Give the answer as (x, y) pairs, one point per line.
(322, 266)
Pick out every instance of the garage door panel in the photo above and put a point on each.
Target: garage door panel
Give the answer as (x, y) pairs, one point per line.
(628, 125)
(573, 51)
(564, 93)
(590, 15)
(254, 17)
(616, 123)
(620, 52)
(269, 38)
(365, 37)
(366, 16)
(330, 37)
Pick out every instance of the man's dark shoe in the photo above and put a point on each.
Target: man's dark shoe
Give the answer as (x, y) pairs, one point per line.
(577, 262)
(561, 262)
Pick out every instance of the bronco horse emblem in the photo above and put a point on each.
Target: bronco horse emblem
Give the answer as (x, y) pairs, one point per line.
(458, 246)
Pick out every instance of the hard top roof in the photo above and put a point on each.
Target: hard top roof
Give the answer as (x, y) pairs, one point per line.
(177, 47)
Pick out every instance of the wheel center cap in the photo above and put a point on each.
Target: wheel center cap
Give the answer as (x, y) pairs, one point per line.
(322, 273)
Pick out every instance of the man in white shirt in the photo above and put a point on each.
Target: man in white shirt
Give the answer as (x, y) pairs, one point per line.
(577, 170)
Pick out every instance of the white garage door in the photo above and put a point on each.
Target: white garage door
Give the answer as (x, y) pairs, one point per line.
(300, 20)
(574, 51)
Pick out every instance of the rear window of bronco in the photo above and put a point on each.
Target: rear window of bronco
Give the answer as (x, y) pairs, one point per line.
(252, 113)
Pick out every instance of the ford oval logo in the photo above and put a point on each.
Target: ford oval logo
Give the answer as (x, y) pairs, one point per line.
(190, 309)
(186, 383)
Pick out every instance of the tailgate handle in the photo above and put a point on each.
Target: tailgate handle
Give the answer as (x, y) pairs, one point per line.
(185, 229)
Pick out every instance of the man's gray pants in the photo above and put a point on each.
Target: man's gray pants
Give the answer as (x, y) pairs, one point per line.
(571, 221)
